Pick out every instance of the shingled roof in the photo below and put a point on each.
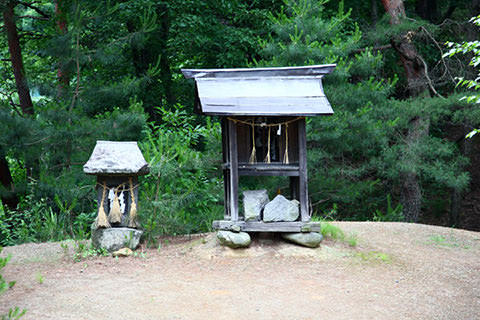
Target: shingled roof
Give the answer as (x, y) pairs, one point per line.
(116, 157)
(283, 91)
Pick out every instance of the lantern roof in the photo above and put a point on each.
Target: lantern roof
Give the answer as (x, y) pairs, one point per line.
(280, 91)
(116, 158)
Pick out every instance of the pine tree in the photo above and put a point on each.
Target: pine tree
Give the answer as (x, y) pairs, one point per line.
(357, 156)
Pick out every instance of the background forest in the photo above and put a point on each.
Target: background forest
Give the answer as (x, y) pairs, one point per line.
(73, 72)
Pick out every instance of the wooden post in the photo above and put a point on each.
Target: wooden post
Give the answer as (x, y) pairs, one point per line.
(226, 170)
(233, 181)
(302, 162)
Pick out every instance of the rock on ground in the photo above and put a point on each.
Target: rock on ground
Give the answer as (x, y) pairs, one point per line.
(234, 239)
(307, 239)
(281, 209)
(253, 203)
(124, 252)
(113, 239)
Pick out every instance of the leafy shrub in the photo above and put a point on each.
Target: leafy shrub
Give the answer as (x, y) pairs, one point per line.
(35, 221)
(392, 214)
(182, 193)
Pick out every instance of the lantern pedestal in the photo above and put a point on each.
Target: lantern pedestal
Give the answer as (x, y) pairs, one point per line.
(113, 239)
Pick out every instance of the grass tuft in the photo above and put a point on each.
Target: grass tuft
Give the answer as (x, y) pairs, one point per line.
(335, 233)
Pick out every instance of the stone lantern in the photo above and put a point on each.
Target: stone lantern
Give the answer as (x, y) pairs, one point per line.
(117, 166)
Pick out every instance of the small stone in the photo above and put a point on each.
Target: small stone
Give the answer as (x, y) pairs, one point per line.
(281, 209)
(234, 239)
(307, 239)
(235, 228)
(253, 203)
(113, 239)
(124, 252)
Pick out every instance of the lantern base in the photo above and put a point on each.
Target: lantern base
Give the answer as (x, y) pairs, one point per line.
(113, 239)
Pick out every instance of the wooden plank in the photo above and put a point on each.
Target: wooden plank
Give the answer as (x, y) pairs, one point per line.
(269, 166)
(260, 226)
(273, 173)
(274, 166)
(303, 178)
(233, 158)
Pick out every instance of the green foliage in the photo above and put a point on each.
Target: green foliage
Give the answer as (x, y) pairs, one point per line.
(4, 285)
(333, 232)
(182, 193)
(358, 155)
(40, 279)
(13, 313)
(122, 60)
(472, 48)
(84, 251)
(391, 214)
(374, 256)
(58, 203)
(35, 221)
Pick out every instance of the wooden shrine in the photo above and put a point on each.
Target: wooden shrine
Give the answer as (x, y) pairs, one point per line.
(263, 114)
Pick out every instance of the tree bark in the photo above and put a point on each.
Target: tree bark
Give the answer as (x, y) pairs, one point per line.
(475, 8)
(16, 58)
(411, 192)
(427, 10)
(9, 197)
(374, 8)
(166, 72)
(63, 75)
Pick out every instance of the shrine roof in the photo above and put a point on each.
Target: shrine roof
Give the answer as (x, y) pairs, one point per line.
(280, 91)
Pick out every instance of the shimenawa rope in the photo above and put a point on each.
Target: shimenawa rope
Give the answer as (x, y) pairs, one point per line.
(102, 220)
(253, 154)
(132, 223)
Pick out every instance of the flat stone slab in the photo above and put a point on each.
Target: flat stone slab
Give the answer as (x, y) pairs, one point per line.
(113, 239)
(116, 157)
(260, 226)
(306, 239)
(234, 239)
(253, 203)
(281, 209)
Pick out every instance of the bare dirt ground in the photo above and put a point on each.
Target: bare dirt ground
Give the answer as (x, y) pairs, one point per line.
(396, 271)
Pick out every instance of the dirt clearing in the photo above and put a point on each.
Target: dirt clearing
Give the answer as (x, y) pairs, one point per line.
(396, 271)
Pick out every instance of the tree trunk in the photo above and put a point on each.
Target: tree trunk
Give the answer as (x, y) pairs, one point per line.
(427, 10)
(475, 11)
(166, 72)
(16, 58)
(374, 8)
(9, 197)
(63, 75)
(411, 193)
